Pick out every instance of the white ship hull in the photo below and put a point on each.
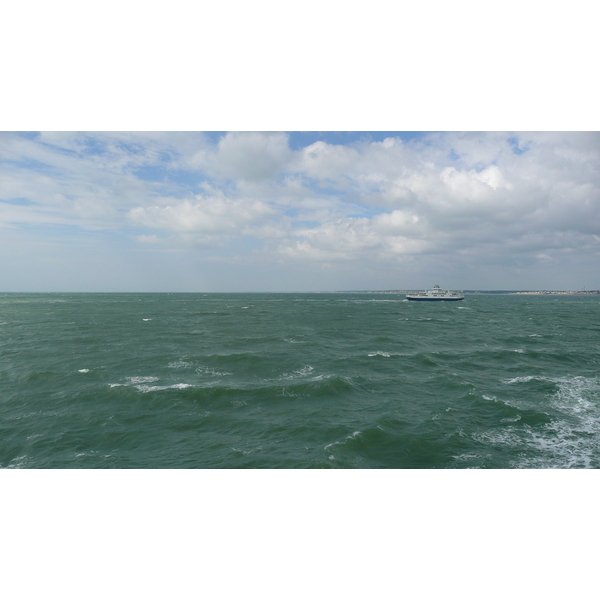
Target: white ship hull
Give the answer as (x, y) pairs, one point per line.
(436, 295)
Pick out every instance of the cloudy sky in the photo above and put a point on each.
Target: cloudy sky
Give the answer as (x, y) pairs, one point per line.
(299, 211)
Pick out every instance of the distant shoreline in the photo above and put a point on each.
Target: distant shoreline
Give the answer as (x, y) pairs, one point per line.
(489, 292)
(555, 293)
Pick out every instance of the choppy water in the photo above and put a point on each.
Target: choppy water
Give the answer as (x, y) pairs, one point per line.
(298, 381)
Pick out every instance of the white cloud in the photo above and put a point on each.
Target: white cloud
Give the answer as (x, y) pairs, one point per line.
(205, 216)
(385, 236)
(250, 156)
(326, 161)
(468, 198)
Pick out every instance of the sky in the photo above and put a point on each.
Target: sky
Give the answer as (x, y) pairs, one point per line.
(298, 211)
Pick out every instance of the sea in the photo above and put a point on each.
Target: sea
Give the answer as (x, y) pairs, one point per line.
(298, 381)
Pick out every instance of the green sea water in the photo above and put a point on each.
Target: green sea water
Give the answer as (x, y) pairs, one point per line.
(298, 381)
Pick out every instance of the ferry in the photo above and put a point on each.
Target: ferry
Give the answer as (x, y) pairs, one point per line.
(436, 294)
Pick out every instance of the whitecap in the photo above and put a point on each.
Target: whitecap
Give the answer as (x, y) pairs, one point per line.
(352, 436)
(19, 462)
(321, 377)
(574, 394)
(524, 379)
(379, 353)
(159, 388)
(466, 456)
(83, 371)
(211, 371)
(146, 319)
(179, 364)
(147, 379)
(303, 372)
(570, 440)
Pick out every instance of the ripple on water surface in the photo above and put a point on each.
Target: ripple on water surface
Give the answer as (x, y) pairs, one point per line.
(297, 381)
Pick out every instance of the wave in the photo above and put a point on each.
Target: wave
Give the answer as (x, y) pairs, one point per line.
(179, 364)
(212, 372)
(299, 373)
(300, 383)
(352, 436)
(144, 379)
(571, 436)
(291, 380)
(159, 388)
(481, 430)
